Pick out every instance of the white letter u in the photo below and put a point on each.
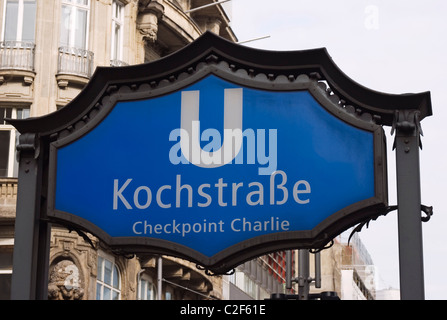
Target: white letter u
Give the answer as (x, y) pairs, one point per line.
(190, 133)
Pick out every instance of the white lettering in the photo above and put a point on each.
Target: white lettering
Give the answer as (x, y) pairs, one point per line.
(179, 188)
(191, 129)
(259, 192)
(127, 197)
(220, 185)
(118, 193)
(192, 310)
(134, 229)
(280, 186)
(159, 202)
(175, 227)
(136, 197)
(273, 224)
(233, 225)
(234, 195)
(205, 195)
(297, 191)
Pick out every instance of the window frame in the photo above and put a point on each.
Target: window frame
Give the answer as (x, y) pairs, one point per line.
(116, 50)
(74, 7)
(6, 247)
(13, 165)
(100, 281)
(20, 21)
(148, 281)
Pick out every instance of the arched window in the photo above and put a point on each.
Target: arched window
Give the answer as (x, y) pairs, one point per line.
(146, 288)
(108, 281)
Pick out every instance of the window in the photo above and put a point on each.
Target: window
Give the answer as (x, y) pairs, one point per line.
(19, 21)
(168, 295)
(250, 287)
(5, 267)
(8, 140)
(146, 289)
(117, 32)
(108, 285)
(74, 23)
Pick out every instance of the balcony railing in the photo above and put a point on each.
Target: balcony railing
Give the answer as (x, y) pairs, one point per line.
(8, 194)
(18, 55)
(75, 61)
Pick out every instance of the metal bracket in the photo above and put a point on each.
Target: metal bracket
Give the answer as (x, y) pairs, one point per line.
(83, 236)
(327, 246)
(28, 143)
(407, 123)
(359, 227)
(212, 274)
(426, 209)
(428, 213)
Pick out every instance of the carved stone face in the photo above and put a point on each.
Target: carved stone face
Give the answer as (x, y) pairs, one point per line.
(65, 282)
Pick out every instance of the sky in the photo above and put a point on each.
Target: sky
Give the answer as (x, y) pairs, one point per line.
(389, 46)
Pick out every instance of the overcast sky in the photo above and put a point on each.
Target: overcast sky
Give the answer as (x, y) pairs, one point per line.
(390, 46)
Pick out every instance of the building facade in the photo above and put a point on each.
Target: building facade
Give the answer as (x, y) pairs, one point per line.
(345, 268)
(48, 52)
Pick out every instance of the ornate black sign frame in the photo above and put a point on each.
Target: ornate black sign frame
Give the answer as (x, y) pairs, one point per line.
(311, 70)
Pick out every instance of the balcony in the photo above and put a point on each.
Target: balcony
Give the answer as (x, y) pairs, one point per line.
(17, 55)
(75, 61)
(8, 198)
(74, 69)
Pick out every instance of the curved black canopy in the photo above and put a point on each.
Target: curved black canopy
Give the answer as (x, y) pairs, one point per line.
(315, 62)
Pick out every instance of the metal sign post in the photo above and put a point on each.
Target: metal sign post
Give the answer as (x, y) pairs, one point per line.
(304, 279)
(31, 243)
(409, 205)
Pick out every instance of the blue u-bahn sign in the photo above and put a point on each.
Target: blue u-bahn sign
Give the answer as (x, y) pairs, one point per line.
(218, 153)
(214, 164)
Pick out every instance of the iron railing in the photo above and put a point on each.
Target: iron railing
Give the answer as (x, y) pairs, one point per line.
(75, 61)
(8, 190)
(18, 55)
